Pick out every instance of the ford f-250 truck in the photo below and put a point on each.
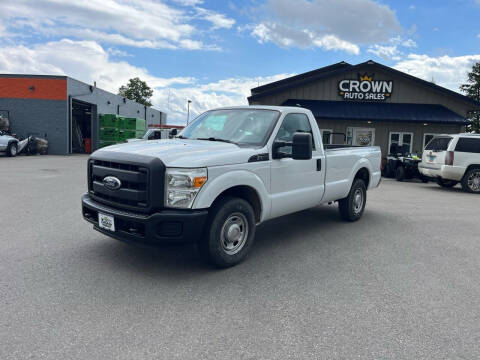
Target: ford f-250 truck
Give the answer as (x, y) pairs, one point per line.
(228, 171)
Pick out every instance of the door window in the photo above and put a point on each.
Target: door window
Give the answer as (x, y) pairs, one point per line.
(291, 124)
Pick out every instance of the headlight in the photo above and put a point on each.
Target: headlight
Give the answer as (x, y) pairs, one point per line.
(183, 185)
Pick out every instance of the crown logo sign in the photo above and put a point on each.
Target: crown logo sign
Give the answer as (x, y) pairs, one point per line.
(365, 77)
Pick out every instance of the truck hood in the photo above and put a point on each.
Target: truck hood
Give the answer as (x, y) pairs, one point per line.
(185, 152)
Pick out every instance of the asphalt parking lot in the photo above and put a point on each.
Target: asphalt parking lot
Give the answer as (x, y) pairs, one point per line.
(402, 283)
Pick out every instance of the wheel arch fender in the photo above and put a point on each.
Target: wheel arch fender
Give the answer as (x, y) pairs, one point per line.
(362, 164)
(234, 179)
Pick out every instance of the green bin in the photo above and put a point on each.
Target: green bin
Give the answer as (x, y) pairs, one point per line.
(108, 134)
(108, 120)
(103, 143)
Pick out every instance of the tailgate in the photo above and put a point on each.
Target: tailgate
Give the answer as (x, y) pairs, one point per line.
(435, 151)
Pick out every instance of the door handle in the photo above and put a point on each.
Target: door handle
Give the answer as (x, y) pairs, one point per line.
(319, 164)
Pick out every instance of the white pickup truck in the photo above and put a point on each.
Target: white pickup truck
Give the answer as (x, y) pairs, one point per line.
(228, 171)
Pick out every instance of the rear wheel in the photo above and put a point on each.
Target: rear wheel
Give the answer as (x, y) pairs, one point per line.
(446, 183)
(352, 207)
(471, 181)
(400, 173)
(229, 234)
(12, 149)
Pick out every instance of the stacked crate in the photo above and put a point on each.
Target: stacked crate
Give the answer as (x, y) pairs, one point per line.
(116, 129)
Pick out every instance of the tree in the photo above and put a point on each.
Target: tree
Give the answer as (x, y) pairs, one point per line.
(137, 90)
(472, 89)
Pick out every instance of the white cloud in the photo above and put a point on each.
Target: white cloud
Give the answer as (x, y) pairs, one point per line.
(141, 23)
(446, 71)
(391, 50)
(385, 51)
(88, 61)
(189, 2)
(218, 20)
(336, 25)
(284, 36)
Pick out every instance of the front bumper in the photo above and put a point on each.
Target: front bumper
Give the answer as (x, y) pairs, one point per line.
(164, 227)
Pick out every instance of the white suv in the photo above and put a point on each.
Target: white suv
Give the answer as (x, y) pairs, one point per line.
(451, 159)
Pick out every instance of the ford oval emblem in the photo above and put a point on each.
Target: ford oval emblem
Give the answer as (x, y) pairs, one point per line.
(112, 183)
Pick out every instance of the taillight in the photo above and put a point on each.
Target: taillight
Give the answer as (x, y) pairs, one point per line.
(449, 157)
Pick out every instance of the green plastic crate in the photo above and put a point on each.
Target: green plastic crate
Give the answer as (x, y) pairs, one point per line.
(103, 143)
(139, 134)
(108, 120)
(133, 124)
(108, 134)
(126, 134)
(130, 123)
(121, 122)
(140, 124)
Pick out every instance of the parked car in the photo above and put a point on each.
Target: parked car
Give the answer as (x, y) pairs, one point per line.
(450, 159)
(8, 144)
(228, 171)
(402, 165)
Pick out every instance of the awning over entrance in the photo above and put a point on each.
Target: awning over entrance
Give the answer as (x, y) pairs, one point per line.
(379, 111)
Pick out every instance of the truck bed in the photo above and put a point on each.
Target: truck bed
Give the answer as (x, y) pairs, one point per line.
(341, 161)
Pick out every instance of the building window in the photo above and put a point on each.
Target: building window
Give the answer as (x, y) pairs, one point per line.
(360, 136)
(326, 136)
(400, 142)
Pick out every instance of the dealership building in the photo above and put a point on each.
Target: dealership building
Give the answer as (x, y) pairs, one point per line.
(372, 104)
(55, 107)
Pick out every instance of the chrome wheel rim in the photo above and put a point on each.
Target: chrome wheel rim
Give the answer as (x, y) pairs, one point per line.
(357, 201)
(473, 181)
(234, 233)
(13, 150)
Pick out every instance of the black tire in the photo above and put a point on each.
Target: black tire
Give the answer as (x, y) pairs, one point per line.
(12, 149)
(388, 171)
(349, 208)
(232, 217)
(446, 183)
(470, 181)
(424, 179)
(400, 173)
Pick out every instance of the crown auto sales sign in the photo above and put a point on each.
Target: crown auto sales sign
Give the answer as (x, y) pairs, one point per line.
(365, 88)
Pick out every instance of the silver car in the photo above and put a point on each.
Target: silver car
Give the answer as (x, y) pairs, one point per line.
(8, 144)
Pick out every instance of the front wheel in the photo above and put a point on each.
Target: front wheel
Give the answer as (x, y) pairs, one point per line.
(229, 233)
(12, 149)
(471, 181)
(352, 207)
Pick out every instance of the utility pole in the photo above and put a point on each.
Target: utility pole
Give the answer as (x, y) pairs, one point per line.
(188, 110)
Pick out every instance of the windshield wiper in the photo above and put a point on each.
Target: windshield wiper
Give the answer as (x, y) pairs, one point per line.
(218, 139)
(182, 137)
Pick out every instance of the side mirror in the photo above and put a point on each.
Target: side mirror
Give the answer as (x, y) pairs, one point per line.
(302, 146)
(173, 132)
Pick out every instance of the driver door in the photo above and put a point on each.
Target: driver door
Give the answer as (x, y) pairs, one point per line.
(296, 184)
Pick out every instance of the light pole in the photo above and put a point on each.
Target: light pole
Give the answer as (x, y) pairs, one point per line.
(188, 110)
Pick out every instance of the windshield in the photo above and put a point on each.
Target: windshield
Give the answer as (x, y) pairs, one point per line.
(147, 134)
(239, 126)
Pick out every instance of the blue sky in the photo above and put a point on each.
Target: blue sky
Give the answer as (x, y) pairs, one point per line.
(213, 52)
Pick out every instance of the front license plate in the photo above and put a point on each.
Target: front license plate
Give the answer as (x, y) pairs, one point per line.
(106, 222)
